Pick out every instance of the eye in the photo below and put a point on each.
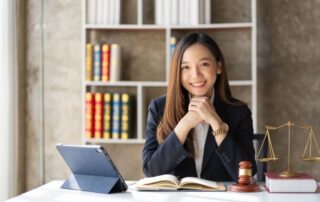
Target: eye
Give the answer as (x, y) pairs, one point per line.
(205, 64)
(184, 67)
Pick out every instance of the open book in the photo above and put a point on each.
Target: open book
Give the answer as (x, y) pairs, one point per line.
(171, 182)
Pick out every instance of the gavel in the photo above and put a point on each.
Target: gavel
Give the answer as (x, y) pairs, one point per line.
(245, 181)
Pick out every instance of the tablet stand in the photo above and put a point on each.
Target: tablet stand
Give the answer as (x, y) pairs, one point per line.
(91, 183)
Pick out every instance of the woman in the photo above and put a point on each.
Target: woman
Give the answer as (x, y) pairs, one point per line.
(198, 129)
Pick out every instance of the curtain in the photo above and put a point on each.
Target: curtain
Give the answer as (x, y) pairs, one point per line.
(9, 122)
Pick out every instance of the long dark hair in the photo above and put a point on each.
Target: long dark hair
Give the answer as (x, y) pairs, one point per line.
(177, 96)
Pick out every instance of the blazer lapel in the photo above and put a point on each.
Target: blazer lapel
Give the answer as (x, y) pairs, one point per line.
(211, 145)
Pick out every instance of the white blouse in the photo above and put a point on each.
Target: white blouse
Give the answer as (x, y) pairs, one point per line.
(199, 140)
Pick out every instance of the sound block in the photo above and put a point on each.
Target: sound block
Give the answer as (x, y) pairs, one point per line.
(245, 188)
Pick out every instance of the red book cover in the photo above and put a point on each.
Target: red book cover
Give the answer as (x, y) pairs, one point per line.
(105, 62)
(89, 115)
(98, 116)
(302, 183)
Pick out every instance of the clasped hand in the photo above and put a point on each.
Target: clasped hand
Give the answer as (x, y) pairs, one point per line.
(200, 109)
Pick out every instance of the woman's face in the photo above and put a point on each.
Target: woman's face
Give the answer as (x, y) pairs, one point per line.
(199, 70)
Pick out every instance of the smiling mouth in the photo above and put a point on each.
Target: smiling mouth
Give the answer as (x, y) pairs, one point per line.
(198, 84)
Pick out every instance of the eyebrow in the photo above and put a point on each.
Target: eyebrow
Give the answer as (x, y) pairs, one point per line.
(184, 62)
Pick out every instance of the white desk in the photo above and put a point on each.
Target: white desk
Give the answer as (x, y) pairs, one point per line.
(53, 192)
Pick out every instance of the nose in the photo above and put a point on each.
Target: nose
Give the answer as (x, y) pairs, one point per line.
(195, 72)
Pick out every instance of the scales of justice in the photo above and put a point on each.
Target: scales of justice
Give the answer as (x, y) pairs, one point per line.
(306, 156)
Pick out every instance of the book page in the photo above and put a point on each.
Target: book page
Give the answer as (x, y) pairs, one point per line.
(197, 183)
(159, 182)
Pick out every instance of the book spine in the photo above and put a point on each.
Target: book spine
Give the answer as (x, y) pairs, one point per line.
(97, 63)
(107, 116)
(91, 11)
(115, 63)
(194, 9)
(89, 61)
(158, 10)
(112, 11)
(89, 115)
(105, 62)
(125, 119)
(174, 9)
(117, 12)
(105, 12)
(207, 12)
(167, 12)
(98, 121)
(116, 110)
(182, 12)
(100, 11)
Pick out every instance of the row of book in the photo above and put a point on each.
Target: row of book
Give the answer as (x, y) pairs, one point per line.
(103, 12)
(103, 62)
(109, 115)
(182, 12)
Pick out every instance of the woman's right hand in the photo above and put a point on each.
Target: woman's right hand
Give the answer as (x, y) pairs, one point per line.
(189, 121)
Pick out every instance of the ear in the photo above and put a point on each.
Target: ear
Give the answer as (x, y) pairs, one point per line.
(219, 68)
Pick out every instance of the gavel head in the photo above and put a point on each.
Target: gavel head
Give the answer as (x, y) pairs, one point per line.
(245, 172)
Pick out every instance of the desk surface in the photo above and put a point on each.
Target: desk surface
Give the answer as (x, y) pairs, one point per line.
(53, 192)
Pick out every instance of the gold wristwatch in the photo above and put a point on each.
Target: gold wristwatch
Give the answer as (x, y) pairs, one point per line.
(222, 130)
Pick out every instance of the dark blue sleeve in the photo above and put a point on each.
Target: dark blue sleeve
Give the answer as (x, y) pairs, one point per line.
(238, 147)
(163, 158)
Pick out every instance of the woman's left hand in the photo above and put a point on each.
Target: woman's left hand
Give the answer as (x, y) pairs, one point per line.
(206, 110)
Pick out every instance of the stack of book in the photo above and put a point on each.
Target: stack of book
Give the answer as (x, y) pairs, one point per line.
(108, 115)
(103, 12)
(302, 183)
(182, 12)
(103, 62)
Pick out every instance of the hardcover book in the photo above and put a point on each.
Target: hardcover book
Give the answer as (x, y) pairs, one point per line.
(105, 62)
(89, 61)
(115, 62)
(171, 182)
(116, 112)
(107, 116)
(301, 183)
(89, 115)
(97, 63)
(98, 114)
(125, 116)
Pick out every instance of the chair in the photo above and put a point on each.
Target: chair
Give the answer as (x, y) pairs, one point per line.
(261, 166)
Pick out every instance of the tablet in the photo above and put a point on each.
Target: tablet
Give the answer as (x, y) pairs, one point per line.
(92, 169)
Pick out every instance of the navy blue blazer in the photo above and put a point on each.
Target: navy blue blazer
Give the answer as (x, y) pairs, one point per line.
(219, 163)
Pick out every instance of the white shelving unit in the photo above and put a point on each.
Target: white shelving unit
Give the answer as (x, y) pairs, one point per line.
(141, 86)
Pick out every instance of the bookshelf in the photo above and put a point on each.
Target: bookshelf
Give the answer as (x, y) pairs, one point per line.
(146, 57)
